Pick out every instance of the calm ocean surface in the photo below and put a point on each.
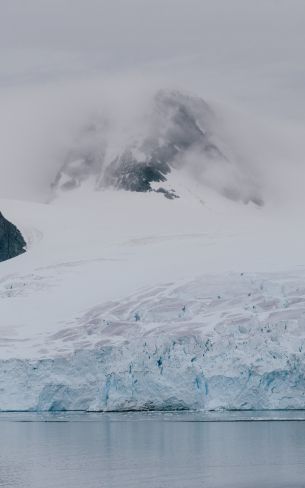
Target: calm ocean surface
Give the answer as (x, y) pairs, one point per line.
(143, 450)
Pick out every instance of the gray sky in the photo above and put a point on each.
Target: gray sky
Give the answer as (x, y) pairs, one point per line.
(59, 58)
(239, 50)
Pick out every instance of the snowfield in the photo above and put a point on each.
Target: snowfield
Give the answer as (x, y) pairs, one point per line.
(128, 301)
(166, 270)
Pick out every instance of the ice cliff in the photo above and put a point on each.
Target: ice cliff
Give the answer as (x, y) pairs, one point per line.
(208, 344)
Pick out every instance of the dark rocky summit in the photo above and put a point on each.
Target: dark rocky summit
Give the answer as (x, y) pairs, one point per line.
(127, 173)
(179, 132)
(11, 241)
(174, 132)
(177, 124)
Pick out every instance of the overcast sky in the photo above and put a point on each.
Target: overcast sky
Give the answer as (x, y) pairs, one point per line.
(246, 50)
(59, 58)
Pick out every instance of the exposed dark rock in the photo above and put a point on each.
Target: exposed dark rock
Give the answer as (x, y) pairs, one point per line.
(179, 132)
(11, 241)
(176, 131)
(170, 194)
(129, 174)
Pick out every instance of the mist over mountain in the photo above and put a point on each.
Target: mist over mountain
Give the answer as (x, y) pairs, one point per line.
(174, 132)
(127, 135)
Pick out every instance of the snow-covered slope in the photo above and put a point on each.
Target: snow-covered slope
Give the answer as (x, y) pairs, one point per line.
(129, 300)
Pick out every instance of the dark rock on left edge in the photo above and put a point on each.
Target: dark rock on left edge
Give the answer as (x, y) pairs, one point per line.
(12, 243)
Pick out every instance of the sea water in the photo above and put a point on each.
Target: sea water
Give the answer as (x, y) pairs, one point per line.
(153, 450)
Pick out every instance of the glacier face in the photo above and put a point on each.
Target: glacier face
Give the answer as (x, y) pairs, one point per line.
(183, 373)
(212, 343)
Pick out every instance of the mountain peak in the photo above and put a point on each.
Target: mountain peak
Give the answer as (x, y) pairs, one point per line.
(175, 131)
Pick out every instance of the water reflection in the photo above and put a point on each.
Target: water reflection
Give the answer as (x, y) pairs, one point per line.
(151, 451)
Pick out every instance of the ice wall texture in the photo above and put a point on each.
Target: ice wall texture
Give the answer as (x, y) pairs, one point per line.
(207, 344)
(185, 373)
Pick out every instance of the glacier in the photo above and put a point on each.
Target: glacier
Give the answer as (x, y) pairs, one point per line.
(150, 376)
(242, 349)
(126, 300)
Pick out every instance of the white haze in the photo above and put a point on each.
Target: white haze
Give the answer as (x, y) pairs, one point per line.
(67, 62)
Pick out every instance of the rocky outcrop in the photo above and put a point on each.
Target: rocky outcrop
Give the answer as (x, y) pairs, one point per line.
(12, 242)
(176, 132)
